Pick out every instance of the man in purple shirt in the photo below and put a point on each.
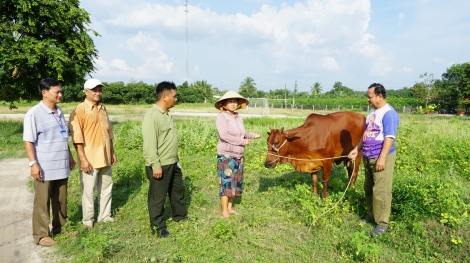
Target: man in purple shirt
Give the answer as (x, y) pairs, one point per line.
(378, 146)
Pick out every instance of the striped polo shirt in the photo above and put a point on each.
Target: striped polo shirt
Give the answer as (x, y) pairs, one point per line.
(43, 128)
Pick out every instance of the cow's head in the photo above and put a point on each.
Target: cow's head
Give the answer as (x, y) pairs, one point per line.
(276, 140)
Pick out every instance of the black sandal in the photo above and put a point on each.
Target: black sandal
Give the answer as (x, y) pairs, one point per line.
(378, 230)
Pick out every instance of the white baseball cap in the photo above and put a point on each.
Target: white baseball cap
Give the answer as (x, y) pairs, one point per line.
(92, 83)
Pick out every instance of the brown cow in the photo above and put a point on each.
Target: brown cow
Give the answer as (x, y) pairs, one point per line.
(319, 140)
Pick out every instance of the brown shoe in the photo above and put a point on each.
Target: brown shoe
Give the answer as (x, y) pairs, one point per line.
(47, 242)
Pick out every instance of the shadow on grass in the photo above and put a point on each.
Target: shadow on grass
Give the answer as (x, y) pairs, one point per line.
(189, 191)
(126, 184)
(337, 183)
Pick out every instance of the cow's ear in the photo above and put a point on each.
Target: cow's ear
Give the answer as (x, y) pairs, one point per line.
(270, 129)
(289, 135)
(268, 133)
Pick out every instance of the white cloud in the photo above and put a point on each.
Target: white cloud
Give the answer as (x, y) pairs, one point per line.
(273, 41)
(195, 71)
(330, 64)
(285, 33)
(154, 61)
(380, 62)
(407, 69)
(308, 24)
(142, 43)
(119, 64)
(442, 62)
(401, 16)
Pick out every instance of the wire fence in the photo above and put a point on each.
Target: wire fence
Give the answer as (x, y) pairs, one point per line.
(264, 108)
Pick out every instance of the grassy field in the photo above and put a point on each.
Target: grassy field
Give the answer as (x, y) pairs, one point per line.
(23, 107)
(280, 218)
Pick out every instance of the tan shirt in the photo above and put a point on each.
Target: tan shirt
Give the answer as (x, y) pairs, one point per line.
(90, 126)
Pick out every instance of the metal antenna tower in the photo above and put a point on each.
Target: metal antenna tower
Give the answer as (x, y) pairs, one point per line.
(186, 40)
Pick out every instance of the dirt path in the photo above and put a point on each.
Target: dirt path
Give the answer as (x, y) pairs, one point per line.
(16, 244)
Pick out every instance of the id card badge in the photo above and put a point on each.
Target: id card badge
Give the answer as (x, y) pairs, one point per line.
(64, 134)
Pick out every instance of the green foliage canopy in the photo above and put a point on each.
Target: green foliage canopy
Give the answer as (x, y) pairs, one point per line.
(39, 39)
(189, 93)
(248, 88)
(339, 91)
(457, 79)
(203, 87)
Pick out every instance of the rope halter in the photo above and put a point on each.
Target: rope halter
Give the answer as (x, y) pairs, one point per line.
(278, 157)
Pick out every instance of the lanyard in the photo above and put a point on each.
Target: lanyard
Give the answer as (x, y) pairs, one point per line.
(59, 121)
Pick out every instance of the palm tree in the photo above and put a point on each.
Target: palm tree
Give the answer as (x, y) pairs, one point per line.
(316, 89)
(248, 88)
(205, 87)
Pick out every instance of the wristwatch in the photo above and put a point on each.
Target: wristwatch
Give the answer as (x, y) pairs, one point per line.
(32, 163)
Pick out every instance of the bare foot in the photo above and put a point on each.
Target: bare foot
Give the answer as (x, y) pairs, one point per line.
(224, 216)
(233, 212)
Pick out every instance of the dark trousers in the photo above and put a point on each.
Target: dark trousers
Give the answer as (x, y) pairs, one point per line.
(49, 194)
(170, 183)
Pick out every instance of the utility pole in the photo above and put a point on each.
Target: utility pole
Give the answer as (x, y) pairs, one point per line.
(186, 40)
(285, 97)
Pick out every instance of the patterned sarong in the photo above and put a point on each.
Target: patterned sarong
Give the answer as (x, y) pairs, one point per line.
(230, 173)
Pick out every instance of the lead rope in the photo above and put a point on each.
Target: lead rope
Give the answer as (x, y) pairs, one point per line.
(344, 193)
(336, 204)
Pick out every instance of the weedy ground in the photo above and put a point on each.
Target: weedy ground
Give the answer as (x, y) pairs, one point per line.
(280, 220)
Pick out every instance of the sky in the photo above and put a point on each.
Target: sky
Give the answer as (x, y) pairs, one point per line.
(279, 43)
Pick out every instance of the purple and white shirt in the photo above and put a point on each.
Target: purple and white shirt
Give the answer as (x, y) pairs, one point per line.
(380, 124)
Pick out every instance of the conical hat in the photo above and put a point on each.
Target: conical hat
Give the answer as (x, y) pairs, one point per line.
(231, 95)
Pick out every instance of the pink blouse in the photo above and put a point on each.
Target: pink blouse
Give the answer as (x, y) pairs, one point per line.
(232, 134)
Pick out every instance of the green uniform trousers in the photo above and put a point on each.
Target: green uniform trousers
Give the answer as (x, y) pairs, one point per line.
(378, 189)
(170, 183)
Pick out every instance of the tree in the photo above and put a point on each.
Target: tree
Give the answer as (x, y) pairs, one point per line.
(428, 82)
(419, 92)
(296, 88)
(39, 39)
(205, 87)
(276, 94)
(316, 89)
(457, 79)
(193, 93)
(248, 88)
(340, 91)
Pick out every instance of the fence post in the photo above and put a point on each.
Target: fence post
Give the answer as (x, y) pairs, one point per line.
(326, 107)
(404, 108)
(313, 107)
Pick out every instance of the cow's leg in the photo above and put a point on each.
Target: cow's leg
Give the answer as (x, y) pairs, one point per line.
(353, 170)
(326, 177)
(314, 183)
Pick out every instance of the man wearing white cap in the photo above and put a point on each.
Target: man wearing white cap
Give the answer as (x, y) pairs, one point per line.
(92, 136)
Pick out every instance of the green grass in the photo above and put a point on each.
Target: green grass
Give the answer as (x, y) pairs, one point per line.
(140, 109)
(11, 139)
(280, 220)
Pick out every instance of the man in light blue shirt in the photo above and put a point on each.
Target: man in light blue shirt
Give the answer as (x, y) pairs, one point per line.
(45, 137)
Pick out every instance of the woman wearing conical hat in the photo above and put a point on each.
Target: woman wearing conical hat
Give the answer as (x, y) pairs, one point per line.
(230, 148)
